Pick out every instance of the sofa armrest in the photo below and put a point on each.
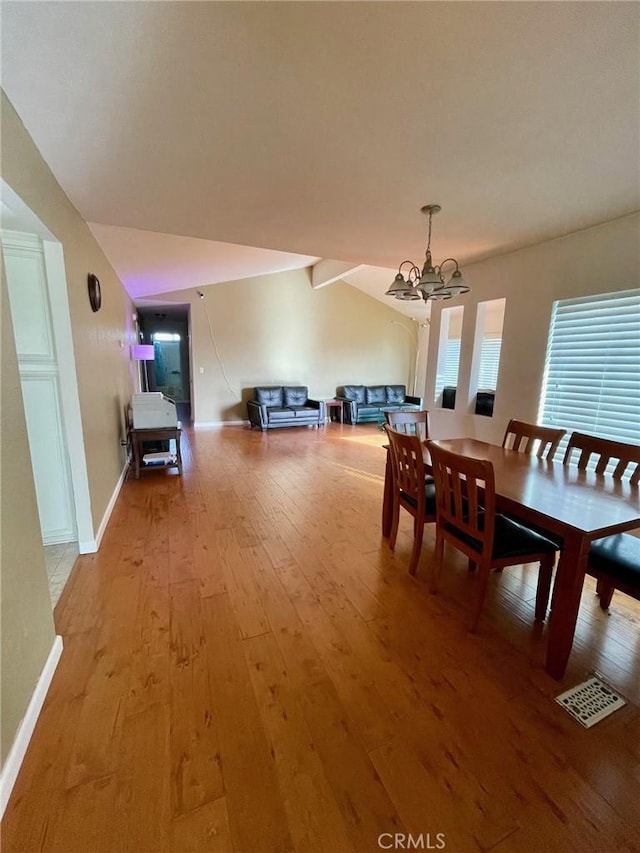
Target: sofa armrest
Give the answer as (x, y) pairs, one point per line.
(257, 414)
(414, 401)
(319, 405)
(350, 410)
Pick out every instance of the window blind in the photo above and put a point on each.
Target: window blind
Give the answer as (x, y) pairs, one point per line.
(448, 373)
(592, 373)
(489, 363)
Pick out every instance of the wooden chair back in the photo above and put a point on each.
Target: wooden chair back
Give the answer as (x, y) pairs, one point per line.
(411, 423)
(409, 489)
(465, 497)
(522, 437)
(408, 466)
(605, 451)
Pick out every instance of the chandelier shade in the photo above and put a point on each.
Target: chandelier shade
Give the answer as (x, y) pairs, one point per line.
(428, 284)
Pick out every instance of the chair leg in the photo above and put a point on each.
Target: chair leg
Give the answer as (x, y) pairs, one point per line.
(417, 548)
(395, 521)
(544, 587)
(438, 556)
(483, 580)
(606, 594)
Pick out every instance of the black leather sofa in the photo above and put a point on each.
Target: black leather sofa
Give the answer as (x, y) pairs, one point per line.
(283, 406)
(363, 403)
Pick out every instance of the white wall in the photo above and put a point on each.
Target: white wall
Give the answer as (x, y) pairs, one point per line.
(602, 259)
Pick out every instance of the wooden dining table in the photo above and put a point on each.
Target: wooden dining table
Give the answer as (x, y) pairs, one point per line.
(575, 506)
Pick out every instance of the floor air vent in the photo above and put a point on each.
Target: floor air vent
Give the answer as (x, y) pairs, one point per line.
(590, 702)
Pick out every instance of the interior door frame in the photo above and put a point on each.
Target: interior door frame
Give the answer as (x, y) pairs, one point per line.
(23, 220)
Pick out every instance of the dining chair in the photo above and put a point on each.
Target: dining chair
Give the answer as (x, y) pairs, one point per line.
(614, 561)
(414, 423)
(466, 518)
(410, 491)
(522, 437)
(603, 452)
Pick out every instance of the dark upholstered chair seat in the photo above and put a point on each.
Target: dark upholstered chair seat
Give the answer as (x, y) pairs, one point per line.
(618, 557)
(430, 497)
(510, 540)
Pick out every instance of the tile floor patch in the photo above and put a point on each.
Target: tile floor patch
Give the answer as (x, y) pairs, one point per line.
(590, 702)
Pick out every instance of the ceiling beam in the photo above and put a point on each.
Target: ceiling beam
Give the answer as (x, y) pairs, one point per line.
(327, 271)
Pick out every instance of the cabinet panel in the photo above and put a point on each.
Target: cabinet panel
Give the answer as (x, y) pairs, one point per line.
(28, 294)
(48, 457)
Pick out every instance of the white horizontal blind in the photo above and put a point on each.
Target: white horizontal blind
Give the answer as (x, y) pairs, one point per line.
(592, 373)
(489, 363)
(448, 372)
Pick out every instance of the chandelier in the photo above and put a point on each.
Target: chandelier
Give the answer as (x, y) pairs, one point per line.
(428, 283)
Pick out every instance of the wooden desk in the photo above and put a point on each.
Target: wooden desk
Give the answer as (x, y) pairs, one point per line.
(575, 505)
(139, 436)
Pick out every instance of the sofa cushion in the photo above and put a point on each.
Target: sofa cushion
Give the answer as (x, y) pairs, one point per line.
(295, 395)
(354, 392)
(269, 396)
(303, 411)
(277, 413)
(396, 393)
(375, 394)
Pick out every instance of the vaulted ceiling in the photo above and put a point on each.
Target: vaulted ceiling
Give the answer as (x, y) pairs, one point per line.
(317, 130)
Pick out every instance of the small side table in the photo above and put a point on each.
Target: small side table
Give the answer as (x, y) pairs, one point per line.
(139, 436)
(334, 404)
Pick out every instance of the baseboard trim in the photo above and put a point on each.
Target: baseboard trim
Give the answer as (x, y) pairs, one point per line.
(92, 545)
(12, 765)
(205, 424)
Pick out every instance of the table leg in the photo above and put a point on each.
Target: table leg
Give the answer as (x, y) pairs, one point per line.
(178, 453)
(136, 456)
(387, 497)
(566, 602)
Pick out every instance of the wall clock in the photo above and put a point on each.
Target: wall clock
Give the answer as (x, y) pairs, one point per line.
(95, 294)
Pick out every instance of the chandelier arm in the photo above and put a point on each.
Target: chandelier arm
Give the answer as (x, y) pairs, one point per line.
(446, 261)
(406, 262)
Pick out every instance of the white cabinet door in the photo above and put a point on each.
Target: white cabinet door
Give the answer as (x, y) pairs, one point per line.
(31, 315)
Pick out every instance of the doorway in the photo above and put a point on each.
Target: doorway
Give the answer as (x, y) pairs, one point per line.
(166, 327)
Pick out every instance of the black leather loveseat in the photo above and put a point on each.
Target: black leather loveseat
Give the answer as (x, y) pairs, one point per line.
(363, 403)
(284, 405)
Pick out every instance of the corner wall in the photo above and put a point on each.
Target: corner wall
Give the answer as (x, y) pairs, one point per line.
(602, 259)
(102, 340)
(101, 348)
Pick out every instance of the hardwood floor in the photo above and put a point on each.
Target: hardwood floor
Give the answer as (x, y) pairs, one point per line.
(248, 667)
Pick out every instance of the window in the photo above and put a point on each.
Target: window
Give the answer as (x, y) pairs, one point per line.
(487, 345)
(449, 349)
(489, 323)
(165, 336)
(489, 362)
(592, 372)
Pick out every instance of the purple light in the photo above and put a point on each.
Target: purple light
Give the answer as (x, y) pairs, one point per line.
(143, 352)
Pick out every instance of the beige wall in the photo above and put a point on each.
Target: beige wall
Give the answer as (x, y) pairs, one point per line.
(275, 329)
(597, 260)
(101, 346)
(25, 606)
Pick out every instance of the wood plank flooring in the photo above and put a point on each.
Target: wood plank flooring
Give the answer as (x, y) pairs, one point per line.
(248, 668)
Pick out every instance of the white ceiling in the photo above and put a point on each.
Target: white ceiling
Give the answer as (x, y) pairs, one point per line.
(319, 129)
